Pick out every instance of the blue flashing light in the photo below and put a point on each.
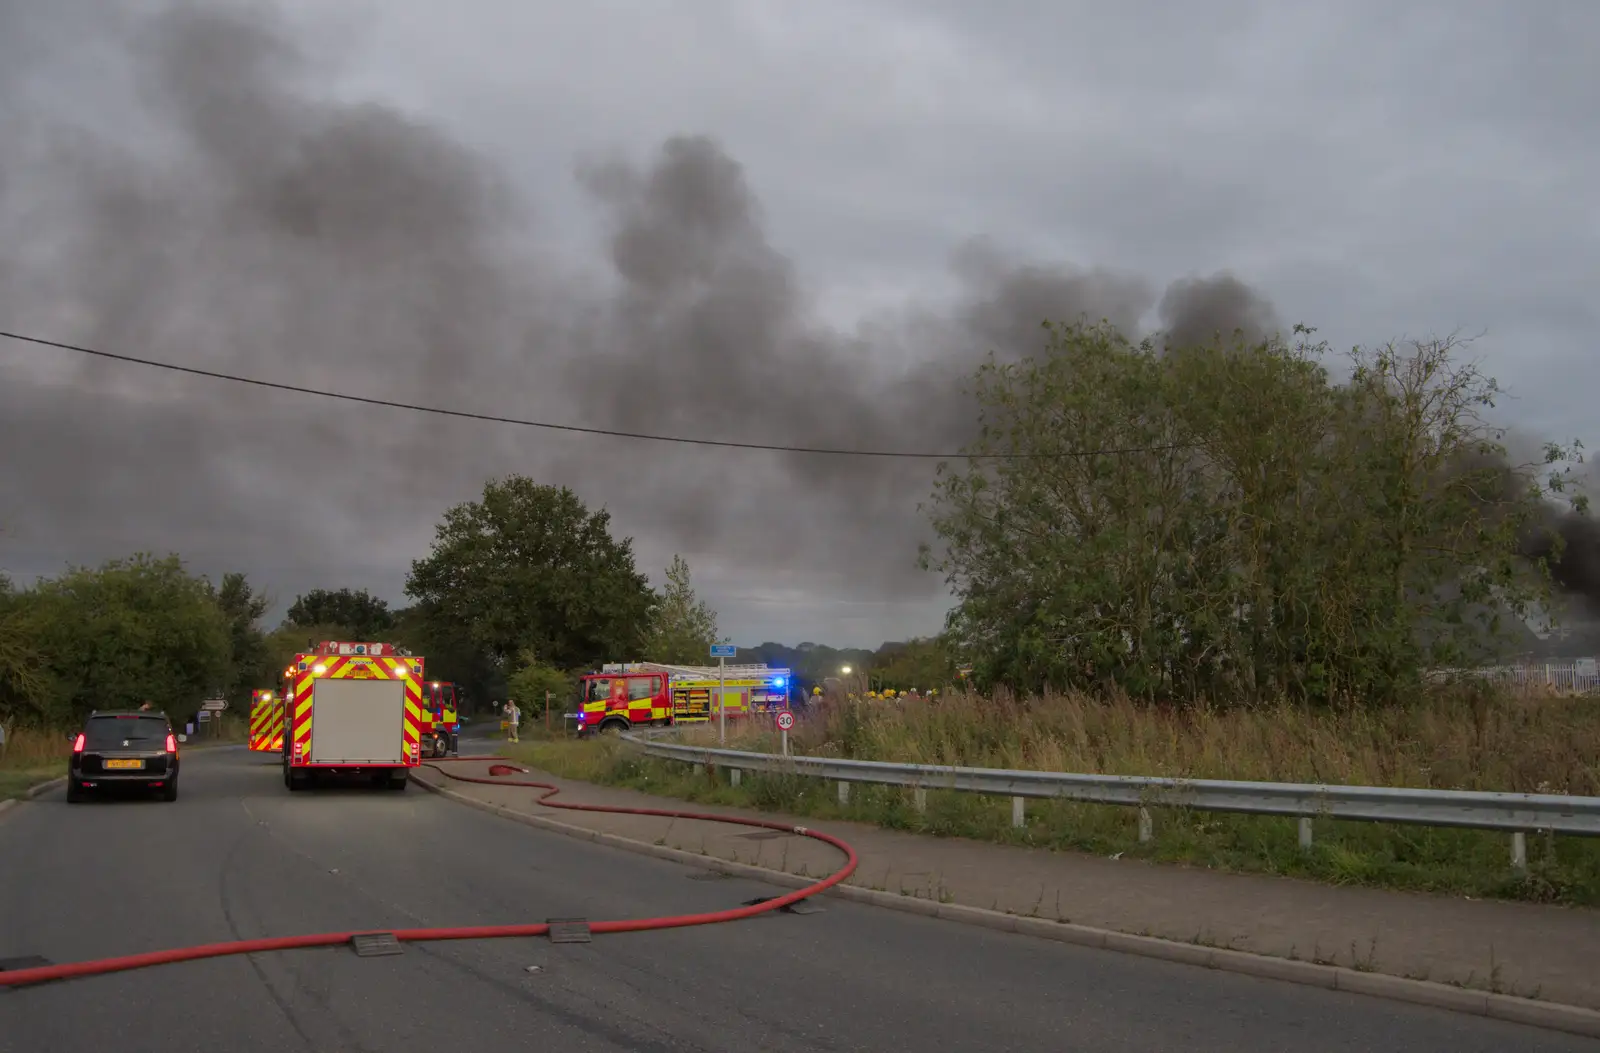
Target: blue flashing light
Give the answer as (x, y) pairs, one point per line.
(778, 681)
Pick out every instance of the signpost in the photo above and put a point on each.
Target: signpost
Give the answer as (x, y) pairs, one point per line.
(722, 652)
(214, 707)
(785, 722)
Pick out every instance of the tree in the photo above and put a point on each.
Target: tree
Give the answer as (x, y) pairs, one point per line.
(923, 664)
(129, 631)
(23, 684)
(529, 566)
(282, 644)
(362, 615)
(1226, 522)
(533, 679)
(252, 665)
(684, 627)
(450, 652)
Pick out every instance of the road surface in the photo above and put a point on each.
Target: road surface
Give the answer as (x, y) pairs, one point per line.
(237, 856)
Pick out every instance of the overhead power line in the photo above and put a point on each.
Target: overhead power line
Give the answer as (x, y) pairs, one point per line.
(491, 418)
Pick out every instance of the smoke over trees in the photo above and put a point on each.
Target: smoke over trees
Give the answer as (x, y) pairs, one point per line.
(206, 197)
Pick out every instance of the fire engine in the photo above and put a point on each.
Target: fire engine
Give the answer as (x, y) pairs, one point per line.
(441, 718)
(266, 722)
(353, 709)
(634, 694)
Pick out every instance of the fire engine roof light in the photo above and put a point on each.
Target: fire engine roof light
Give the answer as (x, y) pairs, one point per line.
(778, 681)
(319, 669)
(400, 669)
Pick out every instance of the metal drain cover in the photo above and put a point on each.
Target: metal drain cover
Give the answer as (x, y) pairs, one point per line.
(800, 907)
(376, 944)
(27, 961)
(569, 930)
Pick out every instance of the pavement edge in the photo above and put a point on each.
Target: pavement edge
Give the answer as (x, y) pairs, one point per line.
(1553, 1015)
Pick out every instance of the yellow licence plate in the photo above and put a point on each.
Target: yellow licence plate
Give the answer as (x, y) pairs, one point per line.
(123, 765)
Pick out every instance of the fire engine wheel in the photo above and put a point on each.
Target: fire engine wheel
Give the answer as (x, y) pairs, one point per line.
(399, 782)
(611, 727)
(441, 746)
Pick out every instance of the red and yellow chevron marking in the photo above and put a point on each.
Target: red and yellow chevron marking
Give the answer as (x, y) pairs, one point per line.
(266, 724)
(352, 667)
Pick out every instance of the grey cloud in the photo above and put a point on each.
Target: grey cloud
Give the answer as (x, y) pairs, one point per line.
(277, 231)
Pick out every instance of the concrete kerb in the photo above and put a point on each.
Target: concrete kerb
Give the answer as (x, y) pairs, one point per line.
(39, 789)
(1555, 1016)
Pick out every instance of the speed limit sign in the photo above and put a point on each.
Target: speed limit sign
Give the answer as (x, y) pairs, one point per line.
(785, 720)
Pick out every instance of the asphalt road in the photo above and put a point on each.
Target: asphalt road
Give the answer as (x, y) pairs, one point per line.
(237, 856)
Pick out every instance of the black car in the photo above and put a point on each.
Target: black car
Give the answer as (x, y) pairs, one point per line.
(126, 751)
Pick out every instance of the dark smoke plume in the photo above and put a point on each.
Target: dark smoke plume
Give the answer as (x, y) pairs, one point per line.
(228, 214)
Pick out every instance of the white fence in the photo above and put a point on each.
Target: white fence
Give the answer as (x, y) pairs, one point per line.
(1577, 676)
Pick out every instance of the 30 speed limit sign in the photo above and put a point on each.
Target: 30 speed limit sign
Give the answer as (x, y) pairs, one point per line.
(785, 720)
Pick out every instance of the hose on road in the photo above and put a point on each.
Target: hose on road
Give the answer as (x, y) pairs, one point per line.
(501, 767)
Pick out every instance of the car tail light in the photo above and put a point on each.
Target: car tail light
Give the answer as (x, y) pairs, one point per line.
(172, 743)
(77, 743)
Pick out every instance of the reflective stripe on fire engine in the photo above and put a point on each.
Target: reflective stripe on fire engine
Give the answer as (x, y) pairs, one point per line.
(266, 725)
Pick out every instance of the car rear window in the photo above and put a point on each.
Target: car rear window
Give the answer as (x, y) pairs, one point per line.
(111, 732)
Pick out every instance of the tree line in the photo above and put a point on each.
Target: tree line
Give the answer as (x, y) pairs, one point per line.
(1230, 523)
(1235, 523)
(523, 588)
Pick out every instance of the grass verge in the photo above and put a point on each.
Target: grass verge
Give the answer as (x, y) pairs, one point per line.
(15, 782)
(1525, 745)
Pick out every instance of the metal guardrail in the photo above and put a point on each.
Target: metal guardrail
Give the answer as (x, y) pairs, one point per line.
(1513, 812)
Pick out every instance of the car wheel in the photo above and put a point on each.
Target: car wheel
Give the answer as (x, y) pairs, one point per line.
(169, 792)
(75, 794)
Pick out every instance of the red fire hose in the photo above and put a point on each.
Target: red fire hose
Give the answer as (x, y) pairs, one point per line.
(73, 970)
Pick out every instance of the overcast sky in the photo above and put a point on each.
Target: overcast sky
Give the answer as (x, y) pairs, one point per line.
(764, 221)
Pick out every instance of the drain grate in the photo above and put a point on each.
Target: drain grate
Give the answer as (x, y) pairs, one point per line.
(569, 930)
(27, 961)
(376, 944)
(801, 907)
(763, 835)
(709, 875)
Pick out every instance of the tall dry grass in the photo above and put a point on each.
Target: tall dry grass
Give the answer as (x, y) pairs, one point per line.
(32, 748)
(1462, 739)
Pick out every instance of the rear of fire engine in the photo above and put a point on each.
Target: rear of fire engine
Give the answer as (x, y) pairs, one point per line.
(266, 722)
(641, 694)
(354, 709)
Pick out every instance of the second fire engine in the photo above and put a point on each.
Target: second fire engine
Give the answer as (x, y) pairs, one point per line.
(633, 694)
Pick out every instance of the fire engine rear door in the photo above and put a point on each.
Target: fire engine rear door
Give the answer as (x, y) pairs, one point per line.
(358, 722)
